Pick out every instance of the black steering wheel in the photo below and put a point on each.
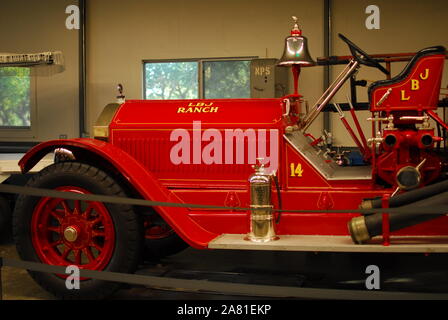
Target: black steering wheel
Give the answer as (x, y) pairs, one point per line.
(362, 57)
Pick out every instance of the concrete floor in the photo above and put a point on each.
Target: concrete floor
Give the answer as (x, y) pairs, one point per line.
(17, 284)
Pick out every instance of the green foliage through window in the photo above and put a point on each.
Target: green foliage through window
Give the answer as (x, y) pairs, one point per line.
(15, 84)
(226, 79)
(171, 80)
(181, 79)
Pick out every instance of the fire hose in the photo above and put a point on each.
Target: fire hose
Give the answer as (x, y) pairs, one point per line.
(365, 227)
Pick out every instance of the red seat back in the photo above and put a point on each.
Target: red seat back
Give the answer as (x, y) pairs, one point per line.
(417, 87)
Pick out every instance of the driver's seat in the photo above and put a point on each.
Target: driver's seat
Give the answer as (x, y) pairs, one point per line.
(415, 88)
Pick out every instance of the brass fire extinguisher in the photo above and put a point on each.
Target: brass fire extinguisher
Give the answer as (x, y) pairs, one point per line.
(261, 209)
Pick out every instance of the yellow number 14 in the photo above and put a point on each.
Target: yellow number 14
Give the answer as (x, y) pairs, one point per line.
(296, 170)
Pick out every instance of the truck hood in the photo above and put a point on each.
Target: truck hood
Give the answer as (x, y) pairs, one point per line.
(217, 113)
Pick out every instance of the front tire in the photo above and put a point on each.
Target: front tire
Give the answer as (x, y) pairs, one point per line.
(90, 235)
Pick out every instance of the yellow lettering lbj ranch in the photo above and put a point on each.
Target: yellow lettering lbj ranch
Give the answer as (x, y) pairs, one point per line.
(199, 107)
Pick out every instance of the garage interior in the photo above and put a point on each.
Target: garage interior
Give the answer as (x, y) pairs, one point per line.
(116, 43)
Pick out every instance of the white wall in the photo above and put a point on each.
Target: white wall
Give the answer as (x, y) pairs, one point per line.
(36, 26)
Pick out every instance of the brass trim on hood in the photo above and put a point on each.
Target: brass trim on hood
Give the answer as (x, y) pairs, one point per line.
(101, 127)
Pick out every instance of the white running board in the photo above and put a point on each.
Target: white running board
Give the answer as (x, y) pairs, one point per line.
(316, 243)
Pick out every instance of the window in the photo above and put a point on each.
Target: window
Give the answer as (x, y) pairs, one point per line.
(226, 79)
(171, 80)
(15, 98)
(200, 78)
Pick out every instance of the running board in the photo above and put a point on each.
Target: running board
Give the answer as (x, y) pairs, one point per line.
(313, 243)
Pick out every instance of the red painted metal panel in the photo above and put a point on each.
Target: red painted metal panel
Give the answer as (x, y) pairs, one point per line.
(144, 129)
(152, 148)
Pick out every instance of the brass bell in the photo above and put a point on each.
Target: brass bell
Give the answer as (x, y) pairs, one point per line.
(296, 49)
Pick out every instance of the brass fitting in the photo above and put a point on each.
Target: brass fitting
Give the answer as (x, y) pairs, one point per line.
(358, 230)
(366, 204)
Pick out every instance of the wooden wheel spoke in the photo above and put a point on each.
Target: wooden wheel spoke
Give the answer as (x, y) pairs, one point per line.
(98, 233)
(89, 254)
(88, 211)
(54, 229)
(77, 208)
(66, 208)
(59, 211)
(77, 256)
(56, 243)
(95, 221)
(66, 253)
(56, 215)
(96, 246)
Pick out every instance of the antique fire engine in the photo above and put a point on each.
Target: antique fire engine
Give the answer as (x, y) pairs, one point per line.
(202, 152)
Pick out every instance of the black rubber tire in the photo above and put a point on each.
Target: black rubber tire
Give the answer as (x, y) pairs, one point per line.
(159, 248)
(5, 218)
(128, 228)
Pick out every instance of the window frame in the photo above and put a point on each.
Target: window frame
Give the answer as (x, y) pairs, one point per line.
(13, 133)
(200, 62)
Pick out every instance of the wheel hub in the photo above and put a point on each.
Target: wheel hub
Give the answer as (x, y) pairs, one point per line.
(71, 234)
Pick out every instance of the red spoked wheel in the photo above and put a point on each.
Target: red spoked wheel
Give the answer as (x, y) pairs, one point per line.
(91, 235)
(156, 231)
(160, 239)
(66, 232)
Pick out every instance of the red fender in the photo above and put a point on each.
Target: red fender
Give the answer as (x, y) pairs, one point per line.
(141, 179)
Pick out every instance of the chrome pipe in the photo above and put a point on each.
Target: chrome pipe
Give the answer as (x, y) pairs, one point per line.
(352, 66)
(338, 78)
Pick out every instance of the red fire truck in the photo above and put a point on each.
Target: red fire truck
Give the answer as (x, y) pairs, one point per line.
(255, 161)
